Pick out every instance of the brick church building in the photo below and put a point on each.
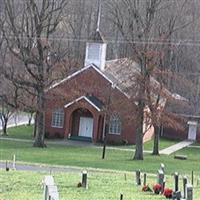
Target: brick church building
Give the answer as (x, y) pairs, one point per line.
(77, 107)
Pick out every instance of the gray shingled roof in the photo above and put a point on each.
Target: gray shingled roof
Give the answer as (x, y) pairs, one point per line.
(125, 73)
(95, 101)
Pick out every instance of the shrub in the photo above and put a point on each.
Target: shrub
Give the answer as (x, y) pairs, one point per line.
(58, 135)
(47, 134)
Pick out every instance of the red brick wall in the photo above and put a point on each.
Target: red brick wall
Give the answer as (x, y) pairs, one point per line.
(91, 82)
(171, 133)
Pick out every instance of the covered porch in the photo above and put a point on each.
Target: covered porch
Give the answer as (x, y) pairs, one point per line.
(84, 119)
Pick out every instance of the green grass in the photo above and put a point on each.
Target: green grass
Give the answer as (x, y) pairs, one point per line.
(91, 157)
(105, 186)
(148, 146)
(25, 132)
(102, 186)
(164, 143)
(196, 144)
(21, 132)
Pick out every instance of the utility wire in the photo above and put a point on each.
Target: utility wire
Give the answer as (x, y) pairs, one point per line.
(152, 41)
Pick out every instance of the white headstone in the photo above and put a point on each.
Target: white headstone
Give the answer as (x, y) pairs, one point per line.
(14, 162)
(50, 189)
(189, 192)
(53, 192)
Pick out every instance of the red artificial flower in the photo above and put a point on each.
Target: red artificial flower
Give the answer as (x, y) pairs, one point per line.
(146, 188)
(168, 193)
(157, 188)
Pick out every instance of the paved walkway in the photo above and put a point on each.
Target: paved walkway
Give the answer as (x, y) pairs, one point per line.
(39, 168)
(20, 166)
(176, 147)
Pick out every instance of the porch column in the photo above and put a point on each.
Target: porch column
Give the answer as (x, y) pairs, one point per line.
(67, 124)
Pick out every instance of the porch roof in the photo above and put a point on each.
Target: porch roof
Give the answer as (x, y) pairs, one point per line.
(92, 100)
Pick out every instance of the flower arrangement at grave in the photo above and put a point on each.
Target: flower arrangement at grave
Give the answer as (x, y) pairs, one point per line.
(146, 188)
(157, 188)
(79, 184)
(168, 193)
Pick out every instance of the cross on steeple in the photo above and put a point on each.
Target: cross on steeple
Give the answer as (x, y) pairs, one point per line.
(99, 15)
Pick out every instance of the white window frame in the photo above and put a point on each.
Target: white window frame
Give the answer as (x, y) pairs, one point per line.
(57, 118)
(115, 125)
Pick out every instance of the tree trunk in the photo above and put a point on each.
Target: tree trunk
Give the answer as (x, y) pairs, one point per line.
(156, 141)
(105, 141)
(40, 122)
(30, 117)
(139, 134)
(35, 126)
(4, 124)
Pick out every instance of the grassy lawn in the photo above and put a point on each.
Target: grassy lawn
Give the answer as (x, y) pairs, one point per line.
(25, 132)
(196, 144)
(148, 146)
(21, 132)
(164, 143)
(102, 186)
(91, 157)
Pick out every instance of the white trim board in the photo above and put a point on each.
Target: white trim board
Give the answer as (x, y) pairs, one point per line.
(80, 98)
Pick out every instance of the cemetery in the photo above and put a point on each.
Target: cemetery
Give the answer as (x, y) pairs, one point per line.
(111, 93)
(102, 185)
(116, 177)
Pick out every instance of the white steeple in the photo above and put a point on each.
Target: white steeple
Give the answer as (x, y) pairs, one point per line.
(96, 46)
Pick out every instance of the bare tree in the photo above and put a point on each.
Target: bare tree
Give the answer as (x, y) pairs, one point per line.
(8, 102)
(139, 23)
(28, 31)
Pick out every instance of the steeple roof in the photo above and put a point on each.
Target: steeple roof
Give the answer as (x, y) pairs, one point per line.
(97, 37)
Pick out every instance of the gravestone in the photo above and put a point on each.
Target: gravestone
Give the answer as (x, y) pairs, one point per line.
(53, 192)
(50, 189)
(161, 177)
(14, 162)
(176, 195)
(125, 177)
(84, 179)
(162, 167)
(189, 192)
(7, 168)
(176, 179)
(198, 181)
(185, 181)
(192, 178)
(163, 186)
(138, 178)
(145, 179)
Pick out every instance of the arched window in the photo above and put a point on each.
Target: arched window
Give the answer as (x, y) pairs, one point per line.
(57, 118)
(115, 125)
